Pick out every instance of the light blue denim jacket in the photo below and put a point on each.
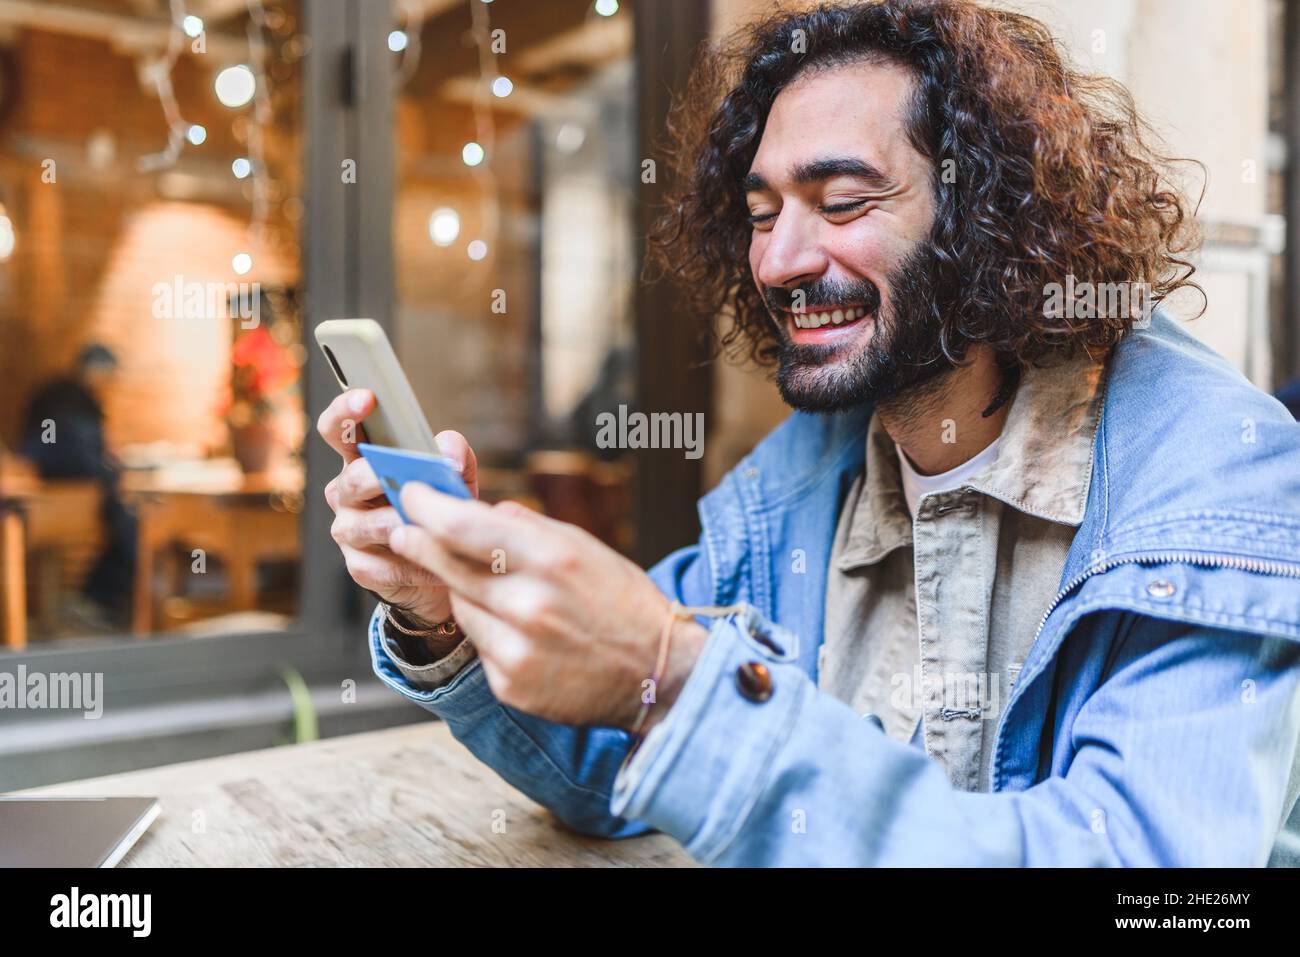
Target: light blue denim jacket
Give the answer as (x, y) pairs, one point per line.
(1154, 722)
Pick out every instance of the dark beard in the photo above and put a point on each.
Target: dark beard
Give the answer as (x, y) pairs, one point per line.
(902, 354)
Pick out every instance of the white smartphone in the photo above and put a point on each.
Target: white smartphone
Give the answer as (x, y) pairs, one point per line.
(362, 358)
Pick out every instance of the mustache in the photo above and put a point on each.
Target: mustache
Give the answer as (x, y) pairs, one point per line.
(823, 293)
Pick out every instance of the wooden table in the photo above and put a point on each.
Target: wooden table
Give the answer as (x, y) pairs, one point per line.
(240, 518)
(404, 797)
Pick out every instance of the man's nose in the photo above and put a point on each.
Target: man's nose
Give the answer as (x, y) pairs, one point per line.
(792, 255)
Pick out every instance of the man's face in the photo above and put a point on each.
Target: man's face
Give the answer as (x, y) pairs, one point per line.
(842, 207)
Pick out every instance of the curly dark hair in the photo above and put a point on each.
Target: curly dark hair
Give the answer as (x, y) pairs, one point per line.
(1052, 174)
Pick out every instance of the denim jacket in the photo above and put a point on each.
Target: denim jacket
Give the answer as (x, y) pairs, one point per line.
(1154, 721)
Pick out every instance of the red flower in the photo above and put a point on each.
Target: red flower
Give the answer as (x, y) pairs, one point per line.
(261, 368)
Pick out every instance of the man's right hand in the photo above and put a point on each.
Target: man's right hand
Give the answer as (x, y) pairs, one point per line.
(363, 518)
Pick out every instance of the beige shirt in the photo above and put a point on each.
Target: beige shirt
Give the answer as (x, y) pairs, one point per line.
(928, 620)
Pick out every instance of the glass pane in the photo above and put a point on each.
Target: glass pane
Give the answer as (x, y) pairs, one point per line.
(515, 261)
(150, 410)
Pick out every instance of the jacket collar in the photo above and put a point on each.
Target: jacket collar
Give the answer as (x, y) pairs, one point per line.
(1188, 459)
(1043, 468)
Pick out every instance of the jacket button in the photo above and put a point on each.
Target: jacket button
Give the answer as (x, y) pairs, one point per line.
(754, 681)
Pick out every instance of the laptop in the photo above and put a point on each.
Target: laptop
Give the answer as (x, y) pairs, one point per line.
(71, 832)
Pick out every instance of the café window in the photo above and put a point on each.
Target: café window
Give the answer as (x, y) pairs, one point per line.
(187, 188)
(513, 216)
(151, 410)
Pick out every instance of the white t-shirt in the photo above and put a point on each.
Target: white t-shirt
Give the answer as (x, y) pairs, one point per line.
(916, 485)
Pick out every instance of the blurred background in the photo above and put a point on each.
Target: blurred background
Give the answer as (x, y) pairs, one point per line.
(187, 188)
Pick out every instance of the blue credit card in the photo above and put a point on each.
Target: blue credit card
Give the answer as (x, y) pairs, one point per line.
(395, 467)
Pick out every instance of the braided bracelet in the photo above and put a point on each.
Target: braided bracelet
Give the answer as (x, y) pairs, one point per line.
(676, 612)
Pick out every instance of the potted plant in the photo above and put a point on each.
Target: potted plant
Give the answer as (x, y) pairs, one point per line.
(261, 369)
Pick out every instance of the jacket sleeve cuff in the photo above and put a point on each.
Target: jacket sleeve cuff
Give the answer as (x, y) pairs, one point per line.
(463, 694)
(701, 770)
(431, 674)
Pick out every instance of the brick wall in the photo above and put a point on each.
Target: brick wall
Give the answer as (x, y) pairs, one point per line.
(91, 245)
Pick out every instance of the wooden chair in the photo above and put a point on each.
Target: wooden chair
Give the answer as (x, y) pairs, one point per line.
(241, 531)
(575, 487)
(64, 535)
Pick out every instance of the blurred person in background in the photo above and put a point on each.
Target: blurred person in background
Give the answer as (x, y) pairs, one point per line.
(63, 437)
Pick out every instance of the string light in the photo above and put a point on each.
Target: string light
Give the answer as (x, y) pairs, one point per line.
(412, 13)
(472, 154)
(159, 73)
(262, 118)
(235, 86)
(607, 8)
(485, 129)
(501, 87)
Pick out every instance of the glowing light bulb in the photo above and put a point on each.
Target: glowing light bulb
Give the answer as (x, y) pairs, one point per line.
(192, 26)
(570, 137)
(241, 264)
(607, 8)
(7, 238)
(235, 86)
(477, 250)
(444, 226)
(397, 41)
(196, 134)
(472, 154)
(501, 87)
(241, 167)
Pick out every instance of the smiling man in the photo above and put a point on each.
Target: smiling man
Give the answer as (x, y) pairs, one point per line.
(1016, 584)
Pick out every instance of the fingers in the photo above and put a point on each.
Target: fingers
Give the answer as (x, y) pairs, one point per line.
(339, 424)
(502, 647)
(358, 485)
(455, 447)
(510, 600)
(385, 573)
(477, 532)
(364, 528)
(463, 576)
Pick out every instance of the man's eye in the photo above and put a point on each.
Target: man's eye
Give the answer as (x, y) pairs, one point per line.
(849, 207)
